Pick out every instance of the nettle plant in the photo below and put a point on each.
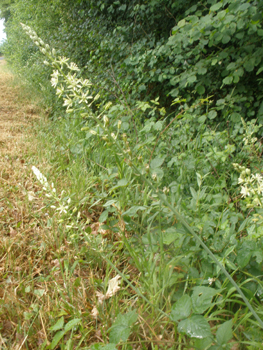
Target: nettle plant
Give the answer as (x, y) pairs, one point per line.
(75, 92)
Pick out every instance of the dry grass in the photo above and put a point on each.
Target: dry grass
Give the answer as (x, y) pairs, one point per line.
(35, 284)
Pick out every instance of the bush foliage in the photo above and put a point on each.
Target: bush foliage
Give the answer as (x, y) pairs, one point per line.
(165, 107)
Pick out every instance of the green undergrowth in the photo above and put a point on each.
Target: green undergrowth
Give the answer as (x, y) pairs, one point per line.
(165, 215)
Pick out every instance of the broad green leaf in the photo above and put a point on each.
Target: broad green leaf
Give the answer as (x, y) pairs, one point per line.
(200, 89)
(182, 308)
(71, 324)
(228, 80)
(156, 163)
(243, 257)
(170, 235)
(121, 328)
(212, 114)
(202, 298)
(58, 336)
(195, 327)
(226, 38)
(249, 65)
(58, 325)
(191, 79)
(224, 332)
(201, 344)
(181, 23)
(216, 7)
(104, 216)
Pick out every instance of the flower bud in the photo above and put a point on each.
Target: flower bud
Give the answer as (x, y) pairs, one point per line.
(119, 124)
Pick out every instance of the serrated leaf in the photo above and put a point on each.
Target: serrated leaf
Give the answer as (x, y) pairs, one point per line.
(224, 332)
(195, 327)
(121, 328)
(71, 324)
(182, 308)
(58, 325)
(58, 336)
(202, 298)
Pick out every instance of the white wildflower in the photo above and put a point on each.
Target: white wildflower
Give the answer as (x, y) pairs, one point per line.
(113, 286)
(244, 191)
(119, 124)
(211, 280)
(94, 312)
(73, 66)
(113, 136)
(154, 176)
(41, 178)
(62, 209)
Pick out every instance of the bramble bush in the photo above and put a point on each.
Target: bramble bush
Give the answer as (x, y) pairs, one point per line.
(156, 177)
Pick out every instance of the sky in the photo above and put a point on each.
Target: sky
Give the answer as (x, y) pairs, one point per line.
(2, 34)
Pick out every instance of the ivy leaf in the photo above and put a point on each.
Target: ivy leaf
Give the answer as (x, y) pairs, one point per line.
(182, 308)
(195, 327)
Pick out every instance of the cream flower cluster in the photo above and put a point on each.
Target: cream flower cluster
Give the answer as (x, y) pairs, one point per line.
(63, 205)
(251, 185)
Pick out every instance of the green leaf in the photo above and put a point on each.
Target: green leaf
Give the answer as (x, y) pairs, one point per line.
(71, 324)
(191, 79)
(212, 114)
(201, 344)
(216, 7)
(228, 80)
(195, 327)
(182, 308)
(104, 216)
(170, 235)
(202, 298)
(226, 38)
(200, 89)
(224, 332)
(56, 339)
(181, 23)
(156, 163)
(121, 328)
(58, 325)
(249, 65)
